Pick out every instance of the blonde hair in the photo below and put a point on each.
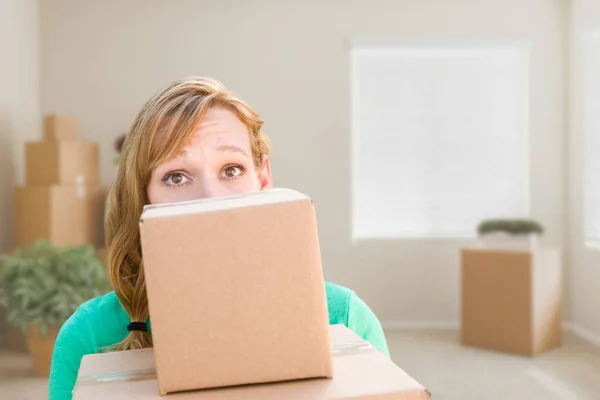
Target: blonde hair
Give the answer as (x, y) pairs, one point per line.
(161, 129)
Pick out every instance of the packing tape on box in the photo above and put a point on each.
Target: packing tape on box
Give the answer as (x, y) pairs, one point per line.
(80, 185)
(120, 376)
(352, 348)
(340, 350)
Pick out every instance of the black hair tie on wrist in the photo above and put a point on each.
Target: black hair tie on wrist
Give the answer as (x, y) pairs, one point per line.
(137, 326)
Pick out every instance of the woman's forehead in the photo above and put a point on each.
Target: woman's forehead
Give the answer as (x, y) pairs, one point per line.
(220, 127)
(221, 117)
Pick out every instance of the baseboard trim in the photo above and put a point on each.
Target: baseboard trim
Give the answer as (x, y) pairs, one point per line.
(421, 325)
(582, 333)
(570, 327)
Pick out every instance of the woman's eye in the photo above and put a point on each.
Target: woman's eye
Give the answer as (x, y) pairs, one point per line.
(232, 171)
(175, 179)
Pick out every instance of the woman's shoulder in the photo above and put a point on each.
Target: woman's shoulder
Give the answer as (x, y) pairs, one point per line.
(101, 308)
(337, 293)
(96, 324)
(98, 304)
(102, 315)
(338, 303)
(346, 307)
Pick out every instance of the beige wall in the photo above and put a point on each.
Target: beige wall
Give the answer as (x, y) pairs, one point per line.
(19, 102)
(19, 99)
(585, 271)
(101, 59)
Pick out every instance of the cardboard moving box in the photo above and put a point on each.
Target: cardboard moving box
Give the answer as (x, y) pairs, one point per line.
(61, 163)
(61, 128)
(359, 372)
(234, 283)
(511, 300)
(65, 215)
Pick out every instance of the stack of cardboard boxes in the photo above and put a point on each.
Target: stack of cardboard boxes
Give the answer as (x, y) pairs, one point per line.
(239, 311)
(62, 200)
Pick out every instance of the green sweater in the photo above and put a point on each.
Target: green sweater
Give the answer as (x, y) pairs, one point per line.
(102, 322)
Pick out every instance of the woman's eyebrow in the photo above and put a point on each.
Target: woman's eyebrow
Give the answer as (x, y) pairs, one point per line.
(235, 149)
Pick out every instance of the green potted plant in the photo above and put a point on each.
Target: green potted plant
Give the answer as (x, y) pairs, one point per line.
(41, 285)
(510, 233)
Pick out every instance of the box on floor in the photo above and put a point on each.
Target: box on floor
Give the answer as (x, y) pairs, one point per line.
(511, 300)
(232, 281)
(359, 372)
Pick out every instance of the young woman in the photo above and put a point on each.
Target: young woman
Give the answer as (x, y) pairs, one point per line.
(194, 139)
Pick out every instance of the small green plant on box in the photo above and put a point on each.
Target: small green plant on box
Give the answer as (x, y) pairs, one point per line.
(514, 227)
(42, 284)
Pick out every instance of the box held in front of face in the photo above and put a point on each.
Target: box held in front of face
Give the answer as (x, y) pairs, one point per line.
(236, 291)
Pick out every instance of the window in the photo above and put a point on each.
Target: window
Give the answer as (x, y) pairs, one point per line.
(439, 138)
(592, 141)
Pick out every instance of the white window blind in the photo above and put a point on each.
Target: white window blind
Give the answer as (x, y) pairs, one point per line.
(440, 138)
(592, 140)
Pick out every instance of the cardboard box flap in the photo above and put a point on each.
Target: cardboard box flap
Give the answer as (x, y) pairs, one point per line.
(212, 204)
(360, 372)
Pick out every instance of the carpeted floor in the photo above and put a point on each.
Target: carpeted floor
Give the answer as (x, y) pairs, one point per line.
(436, 359)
